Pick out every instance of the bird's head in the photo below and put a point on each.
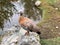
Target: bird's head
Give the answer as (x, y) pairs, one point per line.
(21, 13)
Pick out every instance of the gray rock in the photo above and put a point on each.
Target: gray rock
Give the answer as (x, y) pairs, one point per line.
(20, 38)
(32, 39)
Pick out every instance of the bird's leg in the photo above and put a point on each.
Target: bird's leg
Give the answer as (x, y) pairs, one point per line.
(27, 33)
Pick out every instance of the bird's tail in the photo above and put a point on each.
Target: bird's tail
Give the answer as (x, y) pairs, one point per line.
(34, 29)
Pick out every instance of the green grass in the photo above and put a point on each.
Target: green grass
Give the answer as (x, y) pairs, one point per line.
(51, 1)
(50, 19)
(46, 7)
(54, 41)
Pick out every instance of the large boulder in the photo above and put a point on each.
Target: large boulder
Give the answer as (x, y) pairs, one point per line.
(20, 38)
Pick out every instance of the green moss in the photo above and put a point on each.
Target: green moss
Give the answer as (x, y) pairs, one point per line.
(54, 41)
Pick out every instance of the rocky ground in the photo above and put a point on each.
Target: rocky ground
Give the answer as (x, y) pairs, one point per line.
(19, 38)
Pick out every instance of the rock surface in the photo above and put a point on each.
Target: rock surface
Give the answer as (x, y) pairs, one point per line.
(20, 38)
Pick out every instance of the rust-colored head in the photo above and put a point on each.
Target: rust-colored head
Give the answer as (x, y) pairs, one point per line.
(21, 19)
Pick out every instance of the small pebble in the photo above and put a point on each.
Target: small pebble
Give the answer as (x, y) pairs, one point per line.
(37, 3)
(56, 8)
(57, 27)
